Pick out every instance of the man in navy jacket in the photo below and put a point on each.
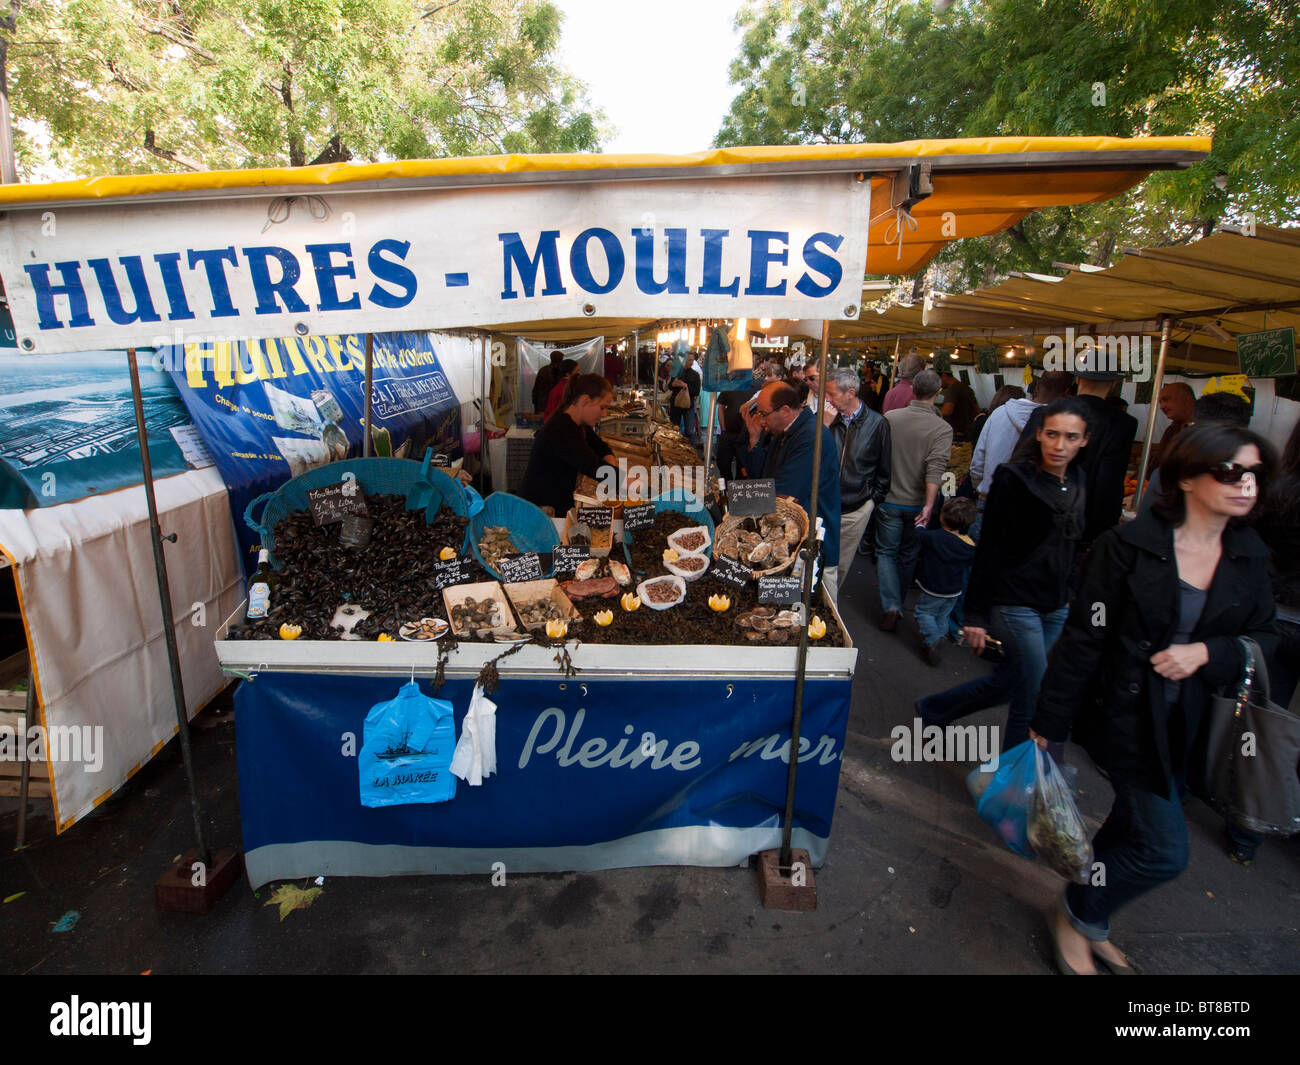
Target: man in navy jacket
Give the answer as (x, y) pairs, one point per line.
(781, 445)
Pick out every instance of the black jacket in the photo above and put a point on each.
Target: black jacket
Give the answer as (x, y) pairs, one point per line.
(1104, 461)
(1100, 684)
(864, 458)
(563, 451)
(1027, 542)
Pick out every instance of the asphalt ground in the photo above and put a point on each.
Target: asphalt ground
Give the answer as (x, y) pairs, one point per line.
(914, 882)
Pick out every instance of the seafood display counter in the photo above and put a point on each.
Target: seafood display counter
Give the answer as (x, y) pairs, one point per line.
(646, 755)
(642, 703)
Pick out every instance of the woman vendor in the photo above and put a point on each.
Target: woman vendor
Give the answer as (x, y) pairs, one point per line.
(567, 446)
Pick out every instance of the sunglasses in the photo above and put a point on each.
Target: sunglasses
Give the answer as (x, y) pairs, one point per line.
(1233, 472)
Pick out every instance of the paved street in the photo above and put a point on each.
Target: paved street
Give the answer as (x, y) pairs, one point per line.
(914, 883)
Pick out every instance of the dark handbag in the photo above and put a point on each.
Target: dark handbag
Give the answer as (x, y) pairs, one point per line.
(1252, 754)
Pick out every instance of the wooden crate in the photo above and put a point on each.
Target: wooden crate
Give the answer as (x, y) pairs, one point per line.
(39, 787)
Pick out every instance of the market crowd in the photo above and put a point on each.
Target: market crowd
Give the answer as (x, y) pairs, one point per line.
(1009, 526)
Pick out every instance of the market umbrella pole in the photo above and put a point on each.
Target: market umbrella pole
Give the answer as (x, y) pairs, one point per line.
(1165, 328)
(370, 376)
(165, 601)
(708, 438)
(893, 370)
(809, 553)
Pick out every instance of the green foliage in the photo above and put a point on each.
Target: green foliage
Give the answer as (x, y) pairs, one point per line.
(124, 86)
(834, 71)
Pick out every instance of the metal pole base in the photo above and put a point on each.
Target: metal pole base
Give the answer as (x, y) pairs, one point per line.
(782, 887)
(189, 886)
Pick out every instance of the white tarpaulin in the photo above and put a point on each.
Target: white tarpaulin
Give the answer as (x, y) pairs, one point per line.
(89, 597)
(589, 355)
(117, 274)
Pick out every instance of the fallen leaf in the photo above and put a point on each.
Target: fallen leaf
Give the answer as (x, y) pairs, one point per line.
(17, 896)
(290, 897)
(1209, 894)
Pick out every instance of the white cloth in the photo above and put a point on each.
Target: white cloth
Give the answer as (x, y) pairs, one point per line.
(89, 598)
(475, 756)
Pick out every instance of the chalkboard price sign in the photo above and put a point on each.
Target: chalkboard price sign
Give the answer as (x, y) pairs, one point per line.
(440, 461)
(986, 356)
(641, 516)
(595, 517)
(752, 497)
(1267, 354)
(331, 503)
(784, 591)
(526, 567)
(567, 558)
(731, 571)
(452, 572)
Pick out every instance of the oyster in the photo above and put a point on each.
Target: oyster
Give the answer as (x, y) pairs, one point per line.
(620, 573)
(761, 553)
(587, 569)
(496, 544)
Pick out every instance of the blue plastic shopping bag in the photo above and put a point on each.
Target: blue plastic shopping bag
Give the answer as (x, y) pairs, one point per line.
(406, 751)
(1005, 797)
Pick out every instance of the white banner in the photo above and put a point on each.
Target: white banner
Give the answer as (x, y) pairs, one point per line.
(115, 275)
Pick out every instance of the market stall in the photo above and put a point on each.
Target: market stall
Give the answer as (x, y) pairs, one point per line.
(780, 232)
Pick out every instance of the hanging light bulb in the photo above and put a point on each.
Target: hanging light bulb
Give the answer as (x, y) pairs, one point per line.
(765, 323)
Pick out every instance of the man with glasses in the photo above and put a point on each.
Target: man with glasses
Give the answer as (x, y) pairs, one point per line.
(862, 437)
(781, 446)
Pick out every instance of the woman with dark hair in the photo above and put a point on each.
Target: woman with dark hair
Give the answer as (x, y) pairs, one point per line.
(1153, 632)
(553, 403)
(1018, 585)
(567, 446)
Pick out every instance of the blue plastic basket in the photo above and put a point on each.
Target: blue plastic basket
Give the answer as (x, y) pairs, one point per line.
(682, 505)
(424, 488)
(530, 528)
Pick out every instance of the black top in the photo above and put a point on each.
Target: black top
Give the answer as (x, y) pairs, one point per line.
(1104, 460)
(563, 450)
(945, 557)
(964, 407)
(1099, 686)
(692, 380)
(1032, 525)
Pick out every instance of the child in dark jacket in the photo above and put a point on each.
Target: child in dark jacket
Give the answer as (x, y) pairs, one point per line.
(945, 559)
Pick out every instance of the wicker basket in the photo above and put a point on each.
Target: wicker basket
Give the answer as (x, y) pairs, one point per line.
(786, 508)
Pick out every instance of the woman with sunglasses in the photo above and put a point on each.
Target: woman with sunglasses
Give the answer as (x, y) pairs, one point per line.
(1151, 635)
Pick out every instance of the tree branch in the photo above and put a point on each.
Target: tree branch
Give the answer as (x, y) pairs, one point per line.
(151, 146)
(10, 21)
(431, 12)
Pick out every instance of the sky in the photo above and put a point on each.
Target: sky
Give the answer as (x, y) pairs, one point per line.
(658, 70)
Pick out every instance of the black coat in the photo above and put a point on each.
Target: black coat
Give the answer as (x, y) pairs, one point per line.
(1100, 683)
(864, 453)
(1103, 462)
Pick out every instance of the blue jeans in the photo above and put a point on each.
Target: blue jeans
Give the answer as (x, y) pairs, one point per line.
(1027, 635)
(897, 547)
(1142, 845)
(932, 613)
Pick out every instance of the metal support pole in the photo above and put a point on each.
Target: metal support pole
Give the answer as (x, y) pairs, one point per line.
(708, 436)
(809, 553)
(482, 417)
(370, 376)
(25, 767)
(893, 372)
(1165, 327)
(165, 601)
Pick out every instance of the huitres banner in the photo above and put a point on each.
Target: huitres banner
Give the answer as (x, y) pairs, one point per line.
(272, 409)
(117, 274)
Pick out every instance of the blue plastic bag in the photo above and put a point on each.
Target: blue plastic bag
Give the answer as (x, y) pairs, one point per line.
(1005, 797)
(406, 751)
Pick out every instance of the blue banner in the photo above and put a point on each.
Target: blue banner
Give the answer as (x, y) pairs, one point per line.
(593, 775)
(269, 410)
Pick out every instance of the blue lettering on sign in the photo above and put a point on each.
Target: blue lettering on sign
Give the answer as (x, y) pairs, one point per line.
(212, 258)
(178, 306)
(826, 265)
(761, 256)
(144, 309)
(266, 289)
(675, 283)
(71, 288)
(547, 255)
(581, 266)
(392, 272)
(322, 261)
(713, 285)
